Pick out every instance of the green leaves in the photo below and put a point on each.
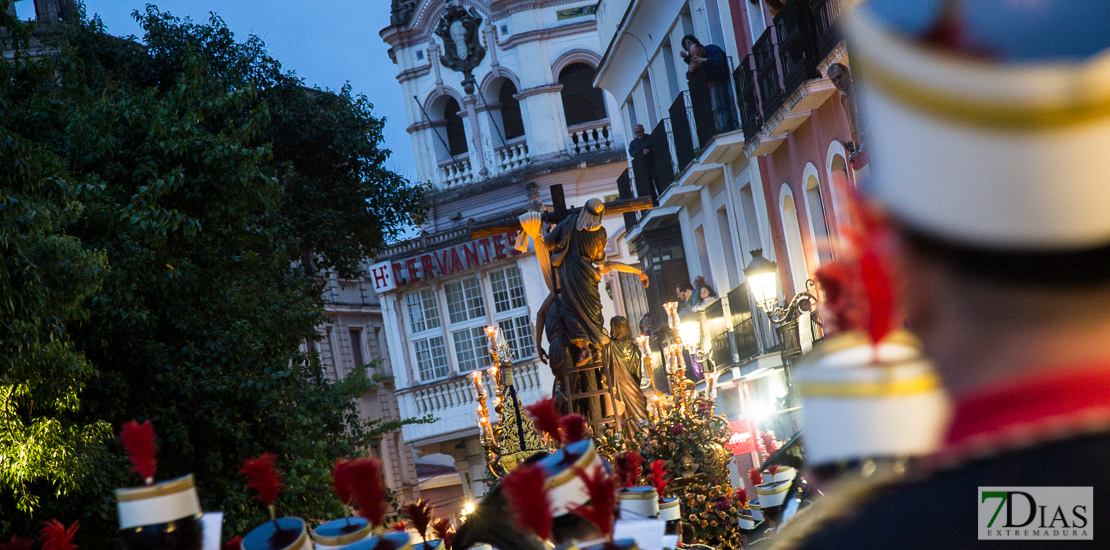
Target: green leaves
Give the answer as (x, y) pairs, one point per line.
(152, 202)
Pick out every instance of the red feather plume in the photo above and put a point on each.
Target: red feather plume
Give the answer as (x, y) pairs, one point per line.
(741, 497)
(546, 418)
(842, 309)
(772, 470)
(265, 478)
(657, 473)
(879, 286)
(627, 466)
(531, 505)
(17, 543)
(602, 489)
(573, 427)
(138, 439)
(56, 536)
(368, 488)
(441, 528)
(420, 515)
(867, 265)
(340, 482)
(755, 476)
(235, 543)
(768, 440)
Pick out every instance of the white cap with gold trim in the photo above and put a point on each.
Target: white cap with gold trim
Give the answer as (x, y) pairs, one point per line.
(988, 120)
(855, 407)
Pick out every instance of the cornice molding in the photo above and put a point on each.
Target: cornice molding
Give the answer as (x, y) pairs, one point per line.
(507, 7)
(545, 89)
(409, 74)
(550, 32)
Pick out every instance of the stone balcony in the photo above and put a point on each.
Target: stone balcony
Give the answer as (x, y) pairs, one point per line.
(589, 137)
(452, 403)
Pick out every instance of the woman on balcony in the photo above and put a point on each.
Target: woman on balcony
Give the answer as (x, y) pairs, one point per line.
(706, 296)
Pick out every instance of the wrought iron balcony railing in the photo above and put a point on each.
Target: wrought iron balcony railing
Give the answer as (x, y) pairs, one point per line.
(744, 78)
(786, 55)
(680, 134)
(767, 74)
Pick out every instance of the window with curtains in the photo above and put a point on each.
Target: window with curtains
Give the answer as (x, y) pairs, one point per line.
(466, 309)
(426, 335)
(511, 311)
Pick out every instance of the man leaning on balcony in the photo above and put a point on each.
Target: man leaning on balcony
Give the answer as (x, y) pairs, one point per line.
(713, 60)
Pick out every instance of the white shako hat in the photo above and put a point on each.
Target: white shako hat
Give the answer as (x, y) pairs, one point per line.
(158, 503)
(856, 408)
(278, 534)
(565, 489)
(670, 509)
(338, 533)
(642, 500)
(773, 493)
(746, 521)
(994, 140)
(388, 541)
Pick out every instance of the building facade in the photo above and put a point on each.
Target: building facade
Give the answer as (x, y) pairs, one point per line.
(354, 335)
(502, 110)
(747, 154)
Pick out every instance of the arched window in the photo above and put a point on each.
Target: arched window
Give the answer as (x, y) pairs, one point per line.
(792, 231)
(456, 132)
(582, 102)
(818, 221)
(511, 120)
(841, 181)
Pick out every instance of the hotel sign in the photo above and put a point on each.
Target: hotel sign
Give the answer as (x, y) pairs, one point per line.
(387, 276)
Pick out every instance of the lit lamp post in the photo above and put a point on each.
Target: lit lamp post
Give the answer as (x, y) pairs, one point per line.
(762, 276)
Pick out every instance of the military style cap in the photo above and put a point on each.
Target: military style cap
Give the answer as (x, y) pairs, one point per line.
(988, 120)
(867, 401)
(564, 487)
(338, 533)
(642, 501)
(278, 534)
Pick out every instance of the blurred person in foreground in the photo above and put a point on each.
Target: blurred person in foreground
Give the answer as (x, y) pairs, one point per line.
(988, 121)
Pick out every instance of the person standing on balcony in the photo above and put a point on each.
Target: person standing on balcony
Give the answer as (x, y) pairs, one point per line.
(706, 296)
(641, 142)
(684, 294)
(841, 78)
(713, 60)
(641, 146)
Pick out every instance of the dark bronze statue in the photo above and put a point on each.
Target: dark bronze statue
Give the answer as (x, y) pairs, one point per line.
(628, 370)
(573, 257)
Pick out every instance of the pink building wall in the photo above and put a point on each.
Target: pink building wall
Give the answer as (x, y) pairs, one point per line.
(808, 143)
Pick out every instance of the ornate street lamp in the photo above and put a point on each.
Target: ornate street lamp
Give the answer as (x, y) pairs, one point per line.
(762, 276)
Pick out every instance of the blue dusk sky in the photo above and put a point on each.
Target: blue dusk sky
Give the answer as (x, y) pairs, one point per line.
(325, 42)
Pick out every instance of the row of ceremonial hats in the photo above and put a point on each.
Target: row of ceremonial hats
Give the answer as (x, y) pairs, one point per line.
(168, 514)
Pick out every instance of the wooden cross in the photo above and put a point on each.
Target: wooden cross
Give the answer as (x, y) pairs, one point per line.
(560, 213)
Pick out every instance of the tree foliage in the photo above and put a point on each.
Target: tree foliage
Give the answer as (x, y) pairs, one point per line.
(153, 198)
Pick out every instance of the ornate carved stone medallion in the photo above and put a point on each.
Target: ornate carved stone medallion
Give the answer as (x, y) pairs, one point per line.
(462, 43)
